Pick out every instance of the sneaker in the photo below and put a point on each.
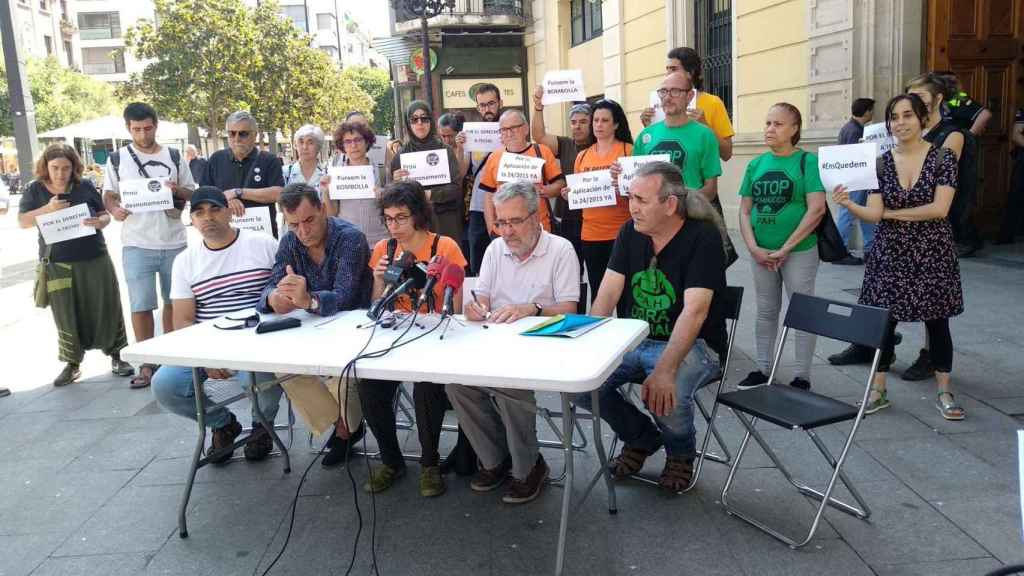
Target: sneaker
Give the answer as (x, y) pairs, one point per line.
(383, 477)
(878, 403)
(259, 445)
(853, 354)
(523, 491)
(69, 374)
(339, 448)
(850, 260)
(223, 439)
(753, 380)
(119, 367)
(800, 383)
(921, 369)
(486, 480)
(431, 482)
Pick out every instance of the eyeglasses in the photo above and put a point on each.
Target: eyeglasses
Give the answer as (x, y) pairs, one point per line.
(419, 120)
(513, 222)
(401, 219)
(247, 322)
(510, 129)
(239, 133)
(491, 104)
(673, 92)
(352, 141)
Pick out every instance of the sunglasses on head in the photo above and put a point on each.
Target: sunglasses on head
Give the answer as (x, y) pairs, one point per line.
(247, 322)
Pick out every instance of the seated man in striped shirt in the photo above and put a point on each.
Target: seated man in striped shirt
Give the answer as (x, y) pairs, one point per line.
(225, 273)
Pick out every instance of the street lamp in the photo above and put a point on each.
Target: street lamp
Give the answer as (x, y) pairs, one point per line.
(425, 9)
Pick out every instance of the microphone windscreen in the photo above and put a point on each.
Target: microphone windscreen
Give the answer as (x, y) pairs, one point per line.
(437, 266)
(453, 276)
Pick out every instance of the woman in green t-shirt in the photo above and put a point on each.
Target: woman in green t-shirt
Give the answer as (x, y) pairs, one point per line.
(781, 202)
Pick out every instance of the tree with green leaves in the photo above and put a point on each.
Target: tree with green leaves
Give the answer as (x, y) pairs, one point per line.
(60, 96)
(377, 83)
(209, 58)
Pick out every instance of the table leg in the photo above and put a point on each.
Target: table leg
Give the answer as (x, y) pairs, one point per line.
(267, 427)
(200, 395)
(595, 401)
(568, 423)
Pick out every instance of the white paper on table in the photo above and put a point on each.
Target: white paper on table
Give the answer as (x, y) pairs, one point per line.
(145, 195)
(1020, 463)
(256, 219)
(655, 103)
(66, 224)
(590, 189)
(429, 168)
(482, 136)
(352, 182)
(520, 167)
(377, 152)
(877, 133)
(5, 196)
(630, 164)
(852, 165)
(563, 86)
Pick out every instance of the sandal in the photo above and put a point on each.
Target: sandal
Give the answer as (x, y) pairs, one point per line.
(878, 403)
(677, 474)
(630, 461)
(949, 410)
(145, 376)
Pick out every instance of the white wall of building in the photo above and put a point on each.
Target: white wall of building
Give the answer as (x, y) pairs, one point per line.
(43, 30)
(101, 27)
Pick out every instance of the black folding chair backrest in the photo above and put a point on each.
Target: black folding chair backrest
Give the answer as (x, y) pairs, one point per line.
(854, 323)
(732, 300)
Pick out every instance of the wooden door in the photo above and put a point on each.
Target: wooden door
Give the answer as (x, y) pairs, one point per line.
(981, 41)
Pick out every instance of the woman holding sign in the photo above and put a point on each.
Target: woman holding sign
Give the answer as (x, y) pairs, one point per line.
(354, 140)
(445, 197)
(80, 285)
(913, 269)
(601, 224)
(782, 202)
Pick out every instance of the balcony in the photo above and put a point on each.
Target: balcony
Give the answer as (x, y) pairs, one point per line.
(470, 14)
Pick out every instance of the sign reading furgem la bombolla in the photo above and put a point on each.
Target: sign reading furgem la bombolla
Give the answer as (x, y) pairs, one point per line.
(563, 86)
(590, 189)
(429, 168)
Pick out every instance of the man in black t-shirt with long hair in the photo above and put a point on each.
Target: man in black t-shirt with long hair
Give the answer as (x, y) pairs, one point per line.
(667, 268)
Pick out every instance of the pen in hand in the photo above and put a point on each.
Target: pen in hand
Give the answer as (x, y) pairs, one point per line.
(486, 312)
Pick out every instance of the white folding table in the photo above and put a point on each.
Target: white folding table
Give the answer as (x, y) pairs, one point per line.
(473, 354)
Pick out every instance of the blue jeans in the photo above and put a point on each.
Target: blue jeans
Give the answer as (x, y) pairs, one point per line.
(142, 266)
(636, 428)
(845, 219)
(173, 388)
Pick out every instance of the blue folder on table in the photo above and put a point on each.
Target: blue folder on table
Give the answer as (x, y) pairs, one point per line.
(566, 326)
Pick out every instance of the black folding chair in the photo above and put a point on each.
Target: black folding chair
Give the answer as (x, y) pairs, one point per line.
(798, 409)
(1007, 570)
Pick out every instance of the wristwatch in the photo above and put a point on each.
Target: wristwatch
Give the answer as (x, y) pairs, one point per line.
(540, 309)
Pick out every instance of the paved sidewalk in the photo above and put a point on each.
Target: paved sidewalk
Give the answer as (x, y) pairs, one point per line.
(91, 476)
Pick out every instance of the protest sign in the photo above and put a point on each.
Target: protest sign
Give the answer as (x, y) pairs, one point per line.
(256, 219)
(482, 136)
(352, 182)
(692, 104)
(655, 103)
(877, 133)
(852, 165)
(429, 168)
(590, 189)
(631, 163)
(563, 86)
(66, 224)
(145, 195)
(520, 167)
(376, 153)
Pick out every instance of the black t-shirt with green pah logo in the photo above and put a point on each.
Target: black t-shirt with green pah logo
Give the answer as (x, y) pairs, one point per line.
(694, 258)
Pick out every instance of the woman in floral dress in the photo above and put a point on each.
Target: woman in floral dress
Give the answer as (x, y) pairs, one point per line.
(912, 269)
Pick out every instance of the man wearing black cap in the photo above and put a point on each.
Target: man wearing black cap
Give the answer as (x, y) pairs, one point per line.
(224, 274)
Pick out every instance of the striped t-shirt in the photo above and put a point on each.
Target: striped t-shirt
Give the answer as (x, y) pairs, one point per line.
(225, 280)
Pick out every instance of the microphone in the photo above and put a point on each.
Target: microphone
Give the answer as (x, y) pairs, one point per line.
(434, 271)
(451, 279)
(392, 276)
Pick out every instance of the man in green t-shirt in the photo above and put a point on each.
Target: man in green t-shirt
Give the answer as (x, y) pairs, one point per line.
(691, 145)
(778, 187)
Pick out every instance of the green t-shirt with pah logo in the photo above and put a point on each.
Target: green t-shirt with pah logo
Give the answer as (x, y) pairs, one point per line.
(779, 186)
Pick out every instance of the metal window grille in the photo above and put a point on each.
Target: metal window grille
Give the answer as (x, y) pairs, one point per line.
(713, 26)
